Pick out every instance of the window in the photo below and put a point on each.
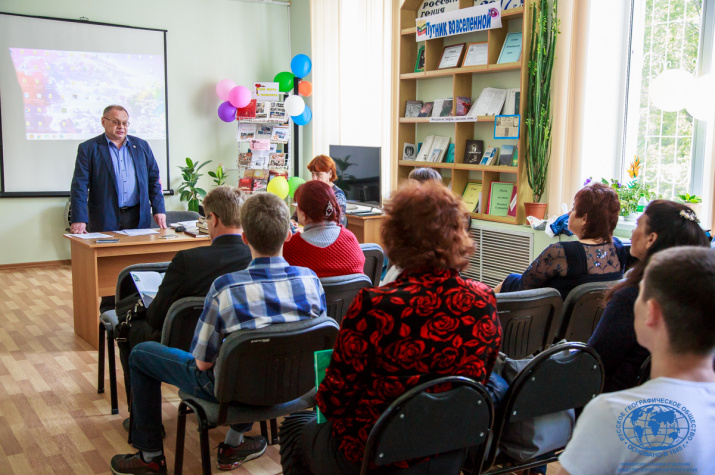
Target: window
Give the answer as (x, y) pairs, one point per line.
(666, 34)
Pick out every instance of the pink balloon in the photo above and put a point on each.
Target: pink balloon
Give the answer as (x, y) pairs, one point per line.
(239, 97)
(223, 88)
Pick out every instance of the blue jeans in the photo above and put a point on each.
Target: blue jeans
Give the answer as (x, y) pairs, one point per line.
(150, 364)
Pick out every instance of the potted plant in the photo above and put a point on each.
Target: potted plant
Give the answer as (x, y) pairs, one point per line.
(693, 202)
(219, 176)
(537, 116)
(188, 191)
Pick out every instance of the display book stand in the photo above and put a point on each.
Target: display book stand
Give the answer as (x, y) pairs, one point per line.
(467, 81)
(265, 171)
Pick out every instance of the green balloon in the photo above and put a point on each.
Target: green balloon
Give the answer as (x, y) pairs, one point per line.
(285, 81)
(293, 185)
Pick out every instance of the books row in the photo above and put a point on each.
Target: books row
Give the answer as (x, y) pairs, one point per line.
(473, 54)
(491, 101)
(501, 198)
(262, 159)
(262, 111)
(437, 149)
(256, 180)
(276, 133)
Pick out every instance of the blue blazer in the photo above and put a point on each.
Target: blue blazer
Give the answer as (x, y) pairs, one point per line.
(94, 186)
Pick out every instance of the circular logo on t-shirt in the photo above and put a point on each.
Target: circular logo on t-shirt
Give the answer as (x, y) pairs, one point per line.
(656, 427)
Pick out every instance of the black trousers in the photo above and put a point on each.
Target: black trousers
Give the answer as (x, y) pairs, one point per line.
(309, 448)
(129, 217)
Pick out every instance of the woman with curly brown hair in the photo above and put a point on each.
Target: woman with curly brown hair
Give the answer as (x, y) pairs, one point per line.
(430, 322)
(596, 257)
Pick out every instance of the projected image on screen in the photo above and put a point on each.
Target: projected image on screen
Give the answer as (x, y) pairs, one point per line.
(65, 92)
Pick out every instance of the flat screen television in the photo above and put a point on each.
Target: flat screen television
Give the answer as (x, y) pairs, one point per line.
(358, 173)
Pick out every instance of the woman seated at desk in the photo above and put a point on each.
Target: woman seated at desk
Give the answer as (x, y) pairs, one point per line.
(324, 246)
(596, 257)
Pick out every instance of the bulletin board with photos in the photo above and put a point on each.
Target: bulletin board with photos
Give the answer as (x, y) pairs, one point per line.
(263, 136)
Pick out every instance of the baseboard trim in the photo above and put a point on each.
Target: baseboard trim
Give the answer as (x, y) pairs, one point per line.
(23, 265)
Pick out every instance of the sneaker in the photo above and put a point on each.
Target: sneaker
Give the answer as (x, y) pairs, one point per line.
(126, 464)
(231, 457)
(125, 424)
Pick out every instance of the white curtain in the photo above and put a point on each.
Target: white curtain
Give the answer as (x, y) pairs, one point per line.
(352, 46)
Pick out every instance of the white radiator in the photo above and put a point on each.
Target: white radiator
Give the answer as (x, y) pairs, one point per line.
(498, 254)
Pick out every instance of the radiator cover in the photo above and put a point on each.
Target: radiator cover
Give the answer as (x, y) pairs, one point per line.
(498, 253)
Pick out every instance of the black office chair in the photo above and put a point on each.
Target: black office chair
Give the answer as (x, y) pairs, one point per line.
(529, 320)
(177, 216)
(260, 375)
(564, 377)
(340, 291)
(108, 321)
(420, 424)
(374, 259)
(582, 311)
(180, 322)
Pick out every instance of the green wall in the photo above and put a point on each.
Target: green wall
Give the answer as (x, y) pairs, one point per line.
(207, 40)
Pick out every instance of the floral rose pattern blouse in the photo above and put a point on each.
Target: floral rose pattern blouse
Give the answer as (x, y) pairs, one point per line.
(424, 325)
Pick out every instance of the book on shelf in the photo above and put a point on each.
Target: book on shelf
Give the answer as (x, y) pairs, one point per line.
(512, 204)
(263, 132)
(437, 107)
(446, 108)
(439, 148)
(506, 154)
(490, 102)
(425, 149)
(260, 184)
(260, 145)
(449, 158)
(244, 159)
(277, 111)
(248, 112)
(515, 157)
(408, 151)
(412, 108)
(245, 184)
(500, 198)
(277, 160)
(472, 196)
(463, 105)
(511, 50)
(426, 109)
(276, 173)
(490, 156)
(248, 173)
(260, 174)
(511, 103)
(259, 158)
(473, 152)
(281, 133)
(246, 132)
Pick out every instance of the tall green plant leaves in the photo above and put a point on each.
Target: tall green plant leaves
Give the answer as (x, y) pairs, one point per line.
(188, 191)
(544, 29)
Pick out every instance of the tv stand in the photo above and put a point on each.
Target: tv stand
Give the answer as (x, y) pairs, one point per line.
(366, 228)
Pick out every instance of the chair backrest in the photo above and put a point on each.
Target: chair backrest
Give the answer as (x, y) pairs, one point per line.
(180, 322)
(125, 284)
(582, 311)
(176, 216)
(529, 320)
(273, 364)
(374, 259)
(340, 291)
(420, 424)
(566, 376)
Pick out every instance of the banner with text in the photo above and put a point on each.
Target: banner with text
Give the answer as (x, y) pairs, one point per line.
(464, 20)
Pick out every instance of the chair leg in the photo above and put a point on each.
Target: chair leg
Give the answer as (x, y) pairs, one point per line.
(274, 432)
(112, 373)
(264, 430)
(100, 360)
(204, 439)
(180, 437)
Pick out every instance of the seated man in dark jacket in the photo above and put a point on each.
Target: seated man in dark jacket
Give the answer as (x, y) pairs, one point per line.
(191, 272)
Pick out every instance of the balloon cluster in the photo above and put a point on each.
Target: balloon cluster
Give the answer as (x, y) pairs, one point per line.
(237, 97)
(281, 187)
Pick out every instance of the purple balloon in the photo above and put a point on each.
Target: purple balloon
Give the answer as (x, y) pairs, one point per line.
(226, 112)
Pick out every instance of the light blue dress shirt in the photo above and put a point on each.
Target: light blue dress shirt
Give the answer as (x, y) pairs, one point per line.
(125, 174)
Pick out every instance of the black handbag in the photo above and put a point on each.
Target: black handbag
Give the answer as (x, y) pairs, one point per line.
(129, 308)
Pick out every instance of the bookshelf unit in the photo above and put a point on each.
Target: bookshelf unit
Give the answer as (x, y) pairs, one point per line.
(468, 81)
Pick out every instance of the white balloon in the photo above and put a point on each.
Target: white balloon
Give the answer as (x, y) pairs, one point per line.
(668, 92)
(700, 102)
(294, 105)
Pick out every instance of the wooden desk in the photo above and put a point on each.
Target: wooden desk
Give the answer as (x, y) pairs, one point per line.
(95, 268)
(366, 228)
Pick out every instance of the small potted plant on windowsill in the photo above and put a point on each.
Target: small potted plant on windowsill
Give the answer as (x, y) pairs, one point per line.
(693, 202)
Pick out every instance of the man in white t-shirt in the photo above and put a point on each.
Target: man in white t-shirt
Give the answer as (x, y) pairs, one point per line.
(665, 425)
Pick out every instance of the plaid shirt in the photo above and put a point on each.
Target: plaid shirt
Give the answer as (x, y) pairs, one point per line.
(268, 291)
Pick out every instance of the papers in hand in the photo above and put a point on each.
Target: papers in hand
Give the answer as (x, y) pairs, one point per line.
(90, 236)
(137, 232)
(147, 284)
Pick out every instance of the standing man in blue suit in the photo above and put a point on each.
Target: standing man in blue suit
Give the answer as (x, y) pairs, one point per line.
(116, 183)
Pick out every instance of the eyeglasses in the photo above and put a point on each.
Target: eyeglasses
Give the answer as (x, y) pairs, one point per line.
(117, 122)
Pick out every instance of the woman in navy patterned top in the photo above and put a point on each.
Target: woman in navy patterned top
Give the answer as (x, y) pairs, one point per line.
(430, 322)
(596, 257)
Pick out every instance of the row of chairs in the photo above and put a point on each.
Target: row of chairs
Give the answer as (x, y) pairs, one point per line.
(532, 320)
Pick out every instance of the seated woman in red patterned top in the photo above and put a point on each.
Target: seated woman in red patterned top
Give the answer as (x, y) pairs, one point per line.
(430, 322)
(324, 246)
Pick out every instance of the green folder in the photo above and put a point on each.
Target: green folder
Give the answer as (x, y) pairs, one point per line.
(499, 197)
(321, 360)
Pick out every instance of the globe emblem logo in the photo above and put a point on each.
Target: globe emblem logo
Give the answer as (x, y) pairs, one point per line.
(656, 427)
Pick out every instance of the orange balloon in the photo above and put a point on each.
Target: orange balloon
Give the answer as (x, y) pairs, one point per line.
(305, 88)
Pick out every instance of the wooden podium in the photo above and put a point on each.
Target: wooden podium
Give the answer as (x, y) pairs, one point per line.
(95, 268)
(366, 228)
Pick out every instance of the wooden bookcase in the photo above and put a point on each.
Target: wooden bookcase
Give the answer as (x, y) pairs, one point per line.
(469, 81)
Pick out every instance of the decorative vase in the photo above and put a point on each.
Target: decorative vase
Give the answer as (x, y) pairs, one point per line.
(537, 210)
(696, 207)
